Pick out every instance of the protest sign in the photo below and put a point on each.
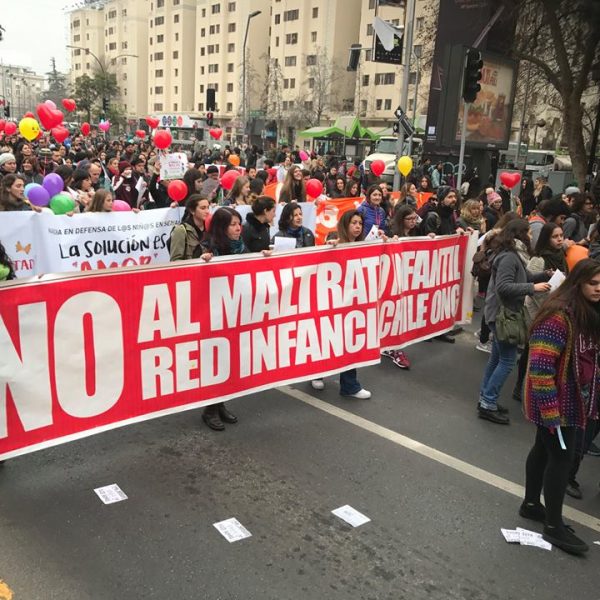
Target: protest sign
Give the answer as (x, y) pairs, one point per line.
(152, 341)
(329, 212)
(173, 165)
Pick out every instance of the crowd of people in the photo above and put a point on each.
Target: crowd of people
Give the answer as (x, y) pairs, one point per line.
(524, 239)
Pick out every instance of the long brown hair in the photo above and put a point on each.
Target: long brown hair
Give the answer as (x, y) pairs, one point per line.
(585, 315)
(344, 223)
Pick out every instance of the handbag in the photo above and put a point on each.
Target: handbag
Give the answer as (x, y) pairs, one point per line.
(511, 326)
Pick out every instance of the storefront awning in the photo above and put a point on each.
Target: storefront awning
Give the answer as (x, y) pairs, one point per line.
(349, 127)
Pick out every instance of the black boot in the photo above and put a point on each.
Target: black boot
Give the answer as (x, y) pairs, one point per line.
(211, 417)
(225, 414)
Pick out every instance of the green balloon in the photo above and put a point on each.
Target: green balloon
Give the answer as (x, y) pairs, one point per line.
(62, 204)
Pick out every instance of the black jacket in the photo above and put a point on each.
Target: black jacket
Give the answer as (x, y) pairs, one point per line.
(255, 234)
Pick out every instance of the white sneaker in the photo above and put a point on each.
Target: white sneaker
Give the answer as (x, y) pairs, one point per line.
(487, 347)
(362, 394)
(318, 384)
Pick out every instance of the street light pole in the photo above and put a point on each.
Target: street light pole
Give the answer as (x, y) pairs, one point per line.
(88, 51)
(244, 106)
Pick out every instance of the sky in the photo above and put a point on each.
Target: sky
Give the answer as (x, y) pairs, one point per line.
(35, 31)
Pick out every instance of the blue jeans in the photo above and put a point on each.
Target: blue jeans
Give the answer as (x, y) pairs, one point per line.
(349, 383)
(500, 364)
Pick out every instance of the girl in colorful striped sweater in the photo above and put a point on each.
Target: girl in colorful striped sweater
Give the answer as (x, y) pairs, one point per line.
(561, 392)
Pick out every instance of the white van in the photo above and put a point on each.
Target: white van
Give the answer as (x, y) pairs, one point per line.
(385, 150)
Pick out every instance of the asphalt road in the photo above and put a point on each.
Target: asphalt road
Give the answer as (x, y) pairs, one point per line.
(434, 531)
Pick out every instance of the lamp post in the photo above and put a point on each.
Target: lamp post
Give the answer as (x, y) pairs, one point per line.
(88, 51)
(244, 107)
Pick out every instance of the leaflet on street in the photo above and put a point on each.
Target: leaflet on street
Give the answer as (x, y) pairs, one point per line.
(525, 538)
(232, 530)
(350, 515)
(109, 494)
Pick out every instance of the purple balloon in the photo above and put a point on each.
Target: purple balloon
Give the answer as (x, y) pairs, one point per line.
(38, 195)
(53, 184)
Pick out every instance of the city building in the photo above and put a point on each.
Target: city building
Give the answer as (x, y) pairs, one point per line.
(308, 83)
(22, 90)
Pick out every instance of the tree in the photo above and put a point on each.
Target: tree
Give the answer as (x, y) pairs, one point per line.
(57, 85)
(90, 91)
(561, 39)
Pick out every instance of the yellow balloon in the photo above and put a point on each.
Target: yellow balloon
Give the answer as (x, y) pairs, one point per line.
(29, 128)
(405, 165)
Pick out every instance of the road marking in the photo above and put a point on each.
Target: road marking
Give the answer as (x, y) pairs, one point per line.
(441, 457)
(5, 591)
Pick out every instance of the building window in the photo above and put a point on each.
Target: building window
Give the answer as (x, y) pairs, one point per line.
(160, 39)
(284, 105)
(158, 56)
(372, 4)
(231, 7)
(418, 50)
(201, 70)
(124, 12)
(176, 54)
(158, 89)
(315, 12)
(76, 24)
(175, 2)
(412, 78)
(215, 9)
(230, 107)
(231, 28)
(411, 105)
(291, 38)
(176, 73)
(158, 106)
(230, 67)
(368, 55)
(76, 38)
(291, 15)
(214, 29)
(159, 21)
(201, 89)
(175, 18)
(385, 78)
(231, 47)
(112, 46)
(276, 41)
(387, 105)
(308, 104)
(203, 12)
(202, 51)
(290, 61)
(379, 104)
(160, 3)
(365, 80)
(112, 14)
(419, 24)
(158, 73)
(311, 83)
(214, 68)
(123, 45)
(313, 36)
(176, 89)
(369, 29)
(311, 60)
(200, 106)
(177, 37)
(277, 19)
(230, 87)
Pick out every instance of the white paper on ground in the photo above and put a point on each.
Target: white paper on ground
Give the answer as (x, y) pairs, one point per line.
(350, 515)
(511, 536)
(531, 538)
(109, 494)
(557, 278)
(283, 243)
(597, 543)
(232, 530)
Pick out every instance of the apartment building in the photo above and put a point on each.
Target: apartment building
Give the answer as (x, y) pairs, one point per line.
(22, 89)
(379, 85)
(220, 30)
(309, 48)
(86, 32)
(171, 55)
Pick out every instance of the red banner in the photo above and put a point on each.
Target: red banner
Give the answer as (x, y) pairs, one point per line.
(83, 353)
(329, 212)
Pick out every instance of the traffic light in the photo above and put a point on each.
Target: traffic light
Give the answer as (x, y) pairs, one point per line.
(209, 118)
(105, 105)
(7, 110)
(472, 75)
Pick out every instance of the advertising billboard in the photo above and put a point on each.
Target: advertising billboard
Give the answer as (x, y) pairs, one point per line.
(490, 115)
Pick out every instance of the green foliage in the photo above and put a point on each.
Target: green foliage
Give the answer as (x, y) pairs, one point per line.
(89, 92)
(57, 84)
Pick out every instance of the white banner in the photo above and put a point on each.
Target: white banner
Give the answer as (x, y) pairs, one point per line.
(39, 243)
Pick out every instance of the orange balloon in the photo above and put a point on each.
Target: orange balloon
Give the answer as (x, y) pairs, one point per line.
(574, 254)
(234, 160)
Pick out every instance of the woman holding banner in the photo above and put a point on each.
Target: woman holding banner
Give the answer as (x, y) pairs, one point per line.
(350, 228)
(372, 212)
(7, 271)
(102, 201)
(256, 229)
(290, 226)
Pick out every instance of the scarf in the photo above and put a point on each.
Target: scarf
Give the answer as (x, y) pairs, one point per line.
(521, 250)
(295, 233)
(555, 259)
(237, 246)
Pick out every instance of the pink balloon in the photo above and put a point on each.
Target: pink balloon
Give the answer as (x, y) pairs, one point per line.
(120, 206)
(50, 104)
(104, 125)
(303, 155)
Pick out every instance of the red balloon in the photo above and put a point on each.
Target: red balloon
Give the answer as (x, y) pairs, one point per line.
(215, 133)
(49, 117)
(229, 178)
(85, 128)
(510, 179)
(140, 133)
(60, 133)
(2, 124)
(377, 167)
(69, 104)
(10, 128)
(314, 188)
(151, 122)
(162, 139)
(29, 115)
(177, 190)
